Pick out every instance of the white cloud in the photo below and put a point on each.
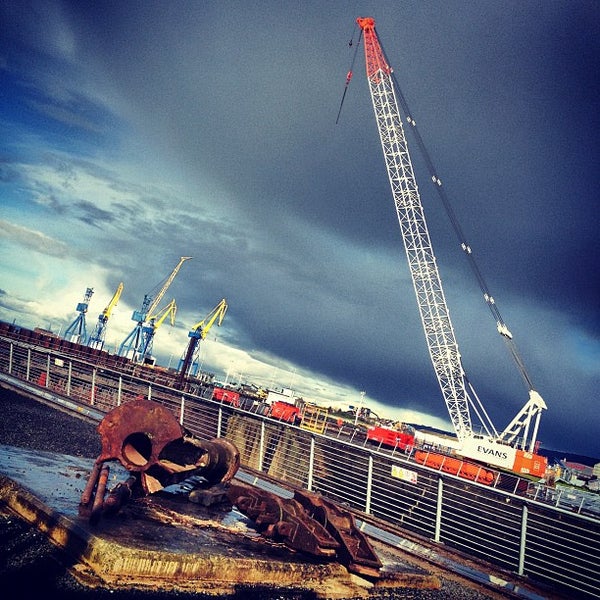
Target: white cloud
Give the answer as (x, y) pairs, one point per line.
(31, 239)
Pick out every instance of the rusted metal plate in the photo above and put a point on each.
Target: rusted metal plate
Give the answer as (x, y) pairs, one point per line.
(355, 550)
(283, 519)
(309, 523)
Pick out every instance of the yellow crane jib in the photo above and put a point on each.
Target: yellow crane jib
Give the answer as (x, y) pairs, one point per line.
(203, 327)
(150, 302)
(165, 287)
(113, 302)
(159, 318)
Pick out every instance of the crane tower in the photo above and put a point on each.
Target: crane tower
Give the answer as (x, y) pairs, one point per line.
(76, 331)
(133, 345)
(520, 435)
(189, 360)
(149, 330)
(97, 337)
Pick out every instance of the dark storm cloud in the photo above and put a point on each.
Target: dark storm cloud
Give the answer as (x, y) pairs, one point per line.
(293, 219)
(92, 215)
(254, 103)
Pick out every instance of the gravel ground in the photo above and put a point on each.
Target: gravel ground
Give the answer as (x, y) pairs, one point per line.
(30, 564)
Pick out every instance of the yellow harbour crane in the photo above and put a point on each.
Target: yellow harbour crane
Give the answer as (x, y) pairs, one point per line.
(134, 344)
(148, 330)
(189, 359)
(97, 337)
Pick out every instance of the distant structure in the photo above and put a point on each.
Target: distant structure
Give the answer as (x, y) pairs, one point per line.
(149, 330)
(189, 362)
(76, 331)
(134, 344)
(97, 337)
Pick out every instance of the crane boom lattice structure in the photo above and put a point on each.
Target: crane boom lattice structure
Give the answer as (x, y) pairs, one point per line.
(77, 330)
(98, 336)
(441, 340)
(133, 345)
(443, 348)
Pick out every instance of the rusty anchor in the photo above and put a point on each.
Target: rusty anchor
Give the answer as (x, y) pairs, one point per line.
(154, 448)
(149, 442)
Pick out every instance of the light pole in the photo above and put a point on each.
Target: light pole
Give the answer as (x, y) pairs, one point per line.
(359, 409)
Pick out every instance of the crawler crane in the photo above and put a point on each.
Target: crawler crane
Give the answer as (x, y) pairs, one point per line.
(189, 359)
(515, 447)
(133, 345)
(97, 337)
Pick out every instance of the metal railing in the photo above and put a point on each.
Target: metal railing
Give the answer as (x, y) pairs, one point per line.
(515, 525)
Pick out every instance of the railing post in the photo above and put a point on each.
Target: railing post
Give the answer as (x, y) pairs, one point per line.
(69, 375)
(181, 409)
(438, 510)
(28, 364)
(149, 391)
(369, 485)
(311, 464)
(523, 542)
(48, 371)
(93, 390)
(119, 390)
(261, 448)
(558, 495)
(10, 358)
(219, 421)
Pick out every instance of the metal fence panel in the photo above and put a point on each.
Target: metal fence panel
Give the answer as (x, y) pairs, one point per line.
(482, 523)
(563, 550)
(404, 495)
(343, 473)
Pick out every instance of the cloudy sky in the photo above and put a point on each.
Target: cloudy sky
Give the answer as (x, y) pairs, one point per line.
(134, 133)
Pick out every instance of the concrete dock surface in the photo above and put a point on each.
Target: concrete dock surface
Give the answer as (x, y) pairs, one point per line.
(164, 541)
(162, 546)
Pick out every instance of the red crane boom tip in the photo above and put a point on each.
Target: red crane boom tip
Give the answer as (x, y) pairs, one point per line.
(366, 22)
